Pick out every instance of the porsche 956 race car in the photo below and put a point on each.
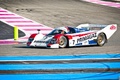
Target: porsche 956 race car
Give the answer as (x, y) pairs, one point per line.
(82, 35)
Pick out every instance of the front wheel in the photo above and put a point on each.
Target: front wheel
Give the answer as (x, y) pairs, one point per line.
(63, 42)
(101, 40)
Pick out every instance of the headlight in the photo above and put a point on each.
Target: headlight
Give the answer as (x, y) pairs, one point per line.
(53, 41)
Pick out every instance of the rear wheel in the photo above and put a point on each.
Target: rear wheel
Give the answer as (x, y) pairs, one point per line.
(101, 40)
(63, 42)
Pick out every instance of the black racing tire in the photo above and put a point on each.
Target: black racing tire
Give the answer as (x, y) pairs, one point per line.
(63, 42)
(101, 39)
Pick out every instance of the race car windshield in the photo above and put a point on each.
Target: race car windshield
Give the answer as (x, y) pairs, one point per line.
(56, 32)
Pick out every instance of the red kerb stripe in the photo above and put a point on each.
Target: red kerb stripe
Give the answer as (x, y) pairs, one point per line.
(36, 29)
(6, 14)
(11, 18)
(29, 25)
(2, 11)
(19, 21)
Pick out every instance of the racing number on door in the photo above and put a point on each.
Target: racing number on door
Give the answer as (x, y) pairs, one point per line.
(73, 42)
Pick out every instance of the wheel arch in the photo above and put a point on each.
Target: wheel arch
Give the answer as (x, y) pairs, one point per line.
(104, 39)
(105, 36)
(67, 41)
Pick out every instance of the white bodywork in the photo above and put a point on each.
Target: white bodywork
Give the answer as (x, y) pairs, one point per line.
(77, 40)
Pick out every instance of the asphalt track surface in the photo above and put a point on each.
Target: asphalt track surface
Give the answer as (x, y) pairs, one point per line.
(61, 13)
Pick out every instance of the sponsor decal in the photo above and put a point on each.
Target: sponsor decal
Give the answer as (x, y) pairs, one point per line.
(78, 44)
(89, 36)
(39, 41)
(112, 27)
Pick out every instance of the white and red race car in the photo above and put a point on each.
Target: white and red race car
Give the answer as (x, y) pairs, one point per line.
(84, 34)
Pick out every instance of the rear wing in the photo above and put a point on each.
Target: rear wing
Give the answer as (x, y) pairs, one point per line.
(90, 26)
